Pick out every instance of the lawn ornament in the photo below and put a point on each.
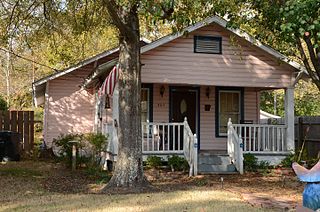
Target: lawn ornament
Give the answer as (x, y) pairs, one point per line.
(311, 193)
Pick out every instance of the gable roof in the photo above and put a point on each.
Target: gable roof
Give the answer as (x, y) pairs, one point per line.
(223, 23)
(40, 84)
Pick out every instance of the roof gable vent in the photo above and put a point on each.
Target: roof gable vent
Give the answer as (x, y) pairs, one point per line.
(208, 44)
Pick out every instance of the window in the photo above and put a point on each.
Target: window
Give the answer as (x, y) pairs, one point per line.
(145, 104)
(208, 44)
(229, 105)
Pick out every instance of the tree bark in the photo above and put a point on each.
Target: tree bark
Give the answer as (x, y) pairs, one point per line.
(128, 171)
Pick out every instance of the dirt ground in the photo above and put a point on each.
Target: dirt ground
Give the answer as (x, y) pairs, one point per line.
(277, 190)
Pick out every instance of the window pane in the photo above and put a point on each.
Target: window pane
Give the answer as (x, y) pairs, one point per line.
(144, 104)
(229, 107)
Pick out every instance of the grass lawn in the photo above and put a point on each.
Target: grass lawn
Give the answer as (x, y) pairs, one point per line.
(40, 186)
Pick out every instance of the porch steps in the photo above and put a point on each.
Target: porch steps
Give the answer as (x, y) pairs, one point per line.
(215, 163)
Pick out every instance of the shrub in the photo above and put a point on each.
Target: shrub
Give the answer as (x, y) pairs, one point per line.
(97, 140)
(99, 143)
(250, 162)
(154, 162)
(65, 146)
(288, 160)
(178, 163)
(263, 166)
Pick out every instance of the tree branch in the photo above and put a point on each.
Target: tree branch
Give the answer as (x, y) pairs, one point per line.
(311, 73)
(312, 54)
(117, 19)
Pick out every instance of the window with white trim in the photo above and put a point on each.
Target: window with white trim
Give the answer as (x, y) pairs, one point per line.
(229, 107)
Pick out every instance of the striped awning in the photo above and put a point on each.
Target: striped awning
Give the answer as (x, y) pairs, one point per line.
(110, 82)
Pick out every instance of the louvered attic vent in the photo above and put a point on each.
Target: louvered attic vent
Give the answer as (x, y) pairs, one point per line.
(208, 44)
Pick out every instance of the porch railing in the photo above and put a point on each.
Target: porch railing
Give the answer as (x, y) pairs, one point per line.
(235, 146)
(190, 149)
(162, 138)
(170, 138)
(261, 138)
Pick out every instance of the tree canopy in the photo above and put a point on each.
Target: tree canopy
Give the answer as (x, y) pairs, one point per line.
(292, 27)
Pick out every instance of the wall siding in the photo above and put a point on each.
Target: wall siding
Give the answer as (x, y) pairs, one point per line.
(240, 64)
(70, 109)
(160, 104)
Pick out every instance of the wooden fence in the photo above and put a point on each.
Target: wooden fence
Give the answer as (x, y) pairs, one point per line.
(21, 122)
(307, 129)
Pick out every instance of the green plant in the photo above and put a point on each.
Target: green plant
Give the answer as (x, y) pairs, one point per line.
(97, 140)
(178, 163)
(250, 162)
(288, 160)
(263, 166)
(154, 162)
(99, 175)
(64, 145)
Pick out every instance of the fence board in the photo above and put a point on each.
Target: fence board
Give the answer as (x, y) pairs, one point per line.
(26, 128)
(20, 123)
(31, 129)
(1, 120)
(6, 124)
(13, 121)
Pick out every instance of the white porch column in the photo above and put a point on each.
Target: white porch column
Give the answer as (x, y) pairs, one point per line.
(115, 116)
(289, 117)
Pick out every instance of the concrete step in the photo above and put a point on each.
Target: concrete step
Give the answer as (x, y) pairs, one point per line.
(214, 159)
(221, 169)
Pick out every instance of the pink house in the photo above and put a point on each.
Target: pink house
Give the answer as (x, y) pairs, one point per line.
(200, 98)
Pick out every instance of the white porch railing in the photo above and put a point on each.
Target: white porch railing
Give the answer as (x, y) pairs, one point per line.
(261, 138)
(190, 149)
(235, 146)
(171, 138)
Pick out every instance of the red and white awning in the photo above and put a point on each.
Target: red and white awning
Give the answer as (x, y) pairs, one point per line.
(110, 82)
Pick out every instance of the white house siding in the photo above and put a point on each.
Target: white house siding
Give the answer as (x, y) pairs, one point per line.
(240, 64)
(69, 108)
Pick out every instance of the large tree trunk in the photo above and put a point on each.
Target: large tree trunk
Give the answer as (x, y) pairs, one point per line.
(128, 171)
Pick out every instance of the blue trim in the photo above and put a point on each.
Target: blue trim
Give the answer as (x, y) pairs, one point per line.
(197, 89)
(150, 87)
(218, 89)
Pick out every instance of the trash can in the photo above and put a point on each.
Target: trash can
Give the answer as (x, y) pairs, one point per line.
(10, 145)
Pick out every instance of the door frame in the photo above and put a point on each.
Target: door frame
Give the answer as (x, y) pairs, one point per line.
(182, 88)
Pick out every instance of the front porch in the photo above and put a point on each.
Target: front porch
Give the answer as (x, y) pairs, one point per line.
(164, 139)
(197, 132)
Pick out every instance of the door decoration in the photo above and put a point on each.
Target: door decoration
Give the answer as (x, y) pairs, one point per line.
(183, 106)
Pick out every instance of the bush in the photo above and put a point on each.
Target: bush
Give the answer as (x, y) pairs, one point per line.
(250, 162)
(65, 147)
(178, 163)
(288, 160)
(154, 162)
(99, 143)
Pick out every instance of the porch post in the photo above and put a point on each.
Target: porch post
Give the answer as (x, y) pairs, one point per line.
(115, 116)
(289, 117)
